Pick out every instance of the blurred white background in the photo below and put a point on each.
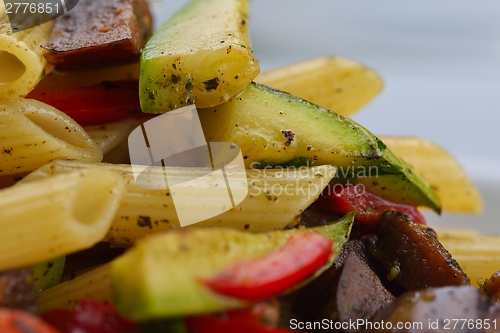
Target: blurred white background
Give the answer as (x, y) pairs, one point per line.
(440, 62)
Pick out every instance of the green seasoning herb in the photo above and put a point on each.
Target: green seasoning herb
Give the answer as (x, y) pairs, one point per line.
(189, 85)
(390, 169)
(381, 145)
(144, 221)
(211, 84)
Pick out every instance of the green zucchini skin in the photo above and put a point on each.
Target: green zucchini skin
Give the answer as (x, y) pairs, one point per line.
(47, 274)
(200, 55)
(160, 276)
(275, 127)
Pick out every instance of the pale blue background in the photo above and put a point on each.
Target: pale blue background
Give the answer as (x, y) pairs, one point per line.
(440, 61)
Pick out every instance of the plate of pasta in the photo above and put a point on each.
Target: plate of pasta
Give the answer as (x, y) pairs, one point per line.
(161, 171)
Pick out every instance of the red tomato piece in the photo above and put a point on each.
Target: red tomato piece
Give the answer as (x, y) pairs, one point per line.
(266, 277)
(345, 198)
(90, 317)
(16, 321)
(97, 104)
(252, 320)
(58, 318)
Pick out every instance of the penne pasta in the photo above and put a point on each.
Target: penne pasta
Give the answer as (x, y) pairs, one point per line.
(53, 217)
(33, 133)
(338, 84)
(457, 192)
(477, 254)
(276, 198)
(22, 61)
(94, 284)
(109, 136)
(118, 155)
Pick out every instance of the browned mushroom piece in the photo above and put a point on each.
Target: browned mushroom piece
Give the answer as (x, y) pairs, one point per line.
(359, 294)
(444, 309)
(99, 33)
(491, 287)
(17, 291)
(412, 255)
(348, 291)
(313, 297)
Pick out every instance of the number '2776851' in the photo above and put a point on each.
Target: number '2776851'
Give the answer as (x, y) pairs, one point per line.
(30, 13)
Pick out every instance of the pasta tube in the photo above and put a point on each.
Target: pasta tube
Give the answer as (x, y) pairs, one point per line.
(477, 254)
(276, 198)
(33, 133)
(457, 192)
(56, 216)
(94, 284)
(109, 136)
(338, 84)
(21, 57)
